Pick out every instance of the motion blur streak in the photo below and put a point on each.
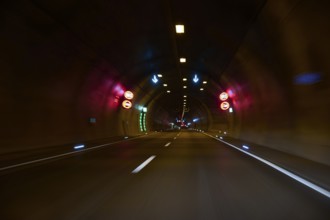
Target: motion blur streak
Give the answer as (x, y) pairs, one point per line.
(145, 163)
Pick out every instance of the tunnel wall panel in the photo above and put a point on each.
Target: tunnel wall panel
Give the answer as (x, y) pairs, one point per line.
(289, 39)
(52, 84)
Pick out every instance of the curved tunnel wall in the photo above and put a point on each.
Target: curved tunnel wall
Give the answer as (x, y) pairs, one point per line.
(52, 85)
(273, 107)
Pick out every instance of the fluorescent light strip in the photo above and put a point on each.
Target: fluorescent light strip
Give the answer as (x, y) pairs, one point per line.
(168, 144)
(79, 146)
(246, 147)
(286, 172)
(145, 163)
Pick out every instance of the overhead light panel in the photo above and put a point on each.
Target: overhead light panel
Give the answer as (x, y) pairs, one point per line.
(201, 89)
(184, 79)
(168, 91)
(184, 87)
(182, 60)
(159, 75)
(184, 96)
(179, 28)
(204, 82)
(165, 85)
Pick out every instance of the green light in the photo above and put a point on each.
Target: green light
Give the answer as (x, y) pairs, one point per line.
(142, 122)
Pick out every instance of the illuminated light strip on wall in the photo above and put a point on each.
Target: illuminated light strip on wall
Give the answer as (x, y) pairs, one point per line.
(142, 121)
(145, 122)
(80, 146)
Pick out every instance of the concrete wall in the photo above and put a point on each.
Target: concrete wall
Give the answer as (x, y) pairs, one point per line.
(51, 84)
(289, 38)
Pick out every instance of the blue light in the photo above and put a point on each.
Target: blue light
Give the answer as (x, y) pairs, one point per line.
(80, 146)
(307, 78)
(246, 147)
(154, 79)
(195, 119)
(195, 79)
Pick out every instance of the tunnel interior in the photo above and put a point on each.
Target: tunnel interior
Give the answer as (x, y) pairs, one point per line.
(66, 64)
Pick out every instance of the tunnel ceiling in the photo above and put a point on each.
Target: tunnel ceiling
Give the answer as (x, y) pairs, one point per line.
(138, 39)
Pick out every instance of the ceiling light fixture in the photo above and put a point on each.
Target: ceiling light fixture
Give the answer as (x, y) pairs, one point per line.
(184, 79)
(182, 60)
(179, 28)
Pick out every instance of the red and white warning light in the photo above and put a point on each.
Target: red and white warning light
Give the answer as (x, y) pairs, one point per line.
(224, 105)
(129, 95)
(127, 104)
(223, 96)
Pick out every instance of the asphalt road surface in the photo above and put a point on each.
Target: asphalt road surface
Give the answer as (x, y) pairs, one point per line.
(186, 175)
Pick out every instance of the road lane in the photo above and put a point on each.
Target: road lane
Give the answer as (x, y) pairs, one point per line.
(196, 178)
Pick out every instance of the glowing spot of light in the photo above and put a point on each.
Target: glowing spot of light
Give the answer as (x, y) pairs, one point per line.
(307, 78)
(179, 28)
(246, 147)
(80, 146)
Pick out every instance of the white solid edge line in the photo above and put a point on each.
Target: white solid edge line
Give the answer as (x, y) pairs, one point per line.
(65, 154)
(286, 172)
(168, 144)
(142, 165)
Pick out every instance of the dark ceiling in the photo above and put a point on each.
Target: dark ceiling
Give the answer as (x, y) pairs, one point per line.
(139, 39)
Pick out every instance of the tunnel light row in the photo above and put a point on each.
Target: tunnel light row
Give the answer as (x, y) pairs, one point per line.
(179, 28)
